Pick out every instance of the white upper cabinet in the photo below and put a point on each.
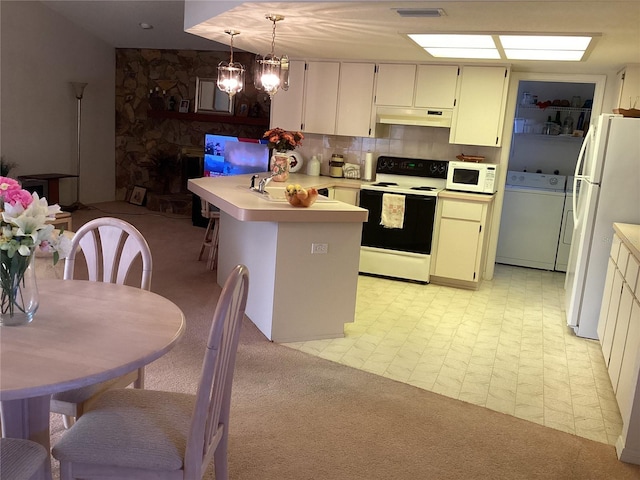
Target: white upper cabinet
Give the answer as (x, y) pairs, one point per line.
(436, 86)
(479, 116)
(395, 84)
(286, 106)
(321, 97)
(355, 99)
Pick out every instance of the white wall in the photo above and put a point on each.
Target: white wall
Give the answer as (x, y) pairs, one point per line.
(41, 53)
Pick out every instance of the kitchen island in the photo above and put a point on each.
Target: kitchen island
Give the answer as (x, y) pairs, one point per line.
(294, 294)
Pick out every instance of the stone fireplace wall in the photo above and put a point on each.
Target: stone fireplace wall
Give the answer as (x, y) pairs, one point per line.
(152, 136)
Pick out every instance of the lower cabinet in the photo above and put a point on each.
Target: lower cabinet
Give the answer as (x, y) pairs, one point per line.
(619, 333)
(346, 195)
(460, 239)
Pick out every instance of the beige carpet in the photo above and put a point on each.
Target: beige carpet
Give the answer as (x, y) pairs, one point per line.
(296, 416)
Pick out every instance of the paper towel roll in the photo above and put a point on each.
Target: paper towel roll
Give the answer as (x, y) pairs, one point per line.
(368, 166)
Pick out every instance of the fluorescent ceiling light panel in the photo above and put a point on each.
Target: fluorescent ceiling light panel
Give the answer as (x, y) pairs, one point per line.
(490, 53)
(557, 55)
(544, 42)
(452, 41)
(544, 47)
(457, 46)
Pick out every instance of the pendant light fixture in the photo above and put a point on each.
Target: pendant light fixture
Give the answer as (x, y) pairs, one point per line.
(231, 75)
(271, 72)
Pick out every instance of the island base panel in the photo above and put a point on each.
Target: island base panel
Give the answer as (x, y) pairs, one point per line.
(294, 295)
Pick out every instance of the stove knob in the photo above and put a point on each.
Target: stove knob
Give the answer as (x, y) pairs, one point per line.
(553, 181)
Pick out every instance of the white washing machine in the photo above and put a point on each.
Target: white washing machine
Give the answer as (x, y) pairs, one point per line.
(531, 219)
(566, 230)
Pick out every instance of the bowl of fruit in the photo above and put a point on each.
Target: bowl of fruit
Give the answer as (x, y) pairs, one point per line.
(300, 197)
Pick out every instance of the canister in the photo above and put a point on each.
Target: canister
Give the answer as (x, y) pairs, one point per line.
(335, 165)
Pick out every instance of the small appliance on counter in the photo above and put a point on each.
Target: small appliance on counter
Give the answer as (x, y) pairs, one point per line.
(472, 177)
(335, 165)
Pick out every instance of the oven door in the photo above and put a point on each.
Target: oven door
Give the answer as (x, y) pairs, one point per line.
(417, 232)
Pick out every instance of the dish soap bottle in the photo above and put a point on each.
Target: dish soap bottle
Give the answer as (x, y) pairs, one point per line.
(313, 167)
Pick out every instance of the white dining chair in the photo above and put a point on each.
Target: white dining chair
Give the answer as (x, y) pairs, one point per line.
(110, 247)
(22, 460)
(147, 434)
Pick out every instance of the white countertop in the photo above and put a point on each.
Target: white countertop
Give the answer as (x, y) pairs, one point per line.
(233, 196)
(630, 235)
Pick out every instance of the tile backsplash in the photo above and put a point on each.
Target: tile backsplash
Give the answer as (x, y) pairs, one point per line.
(402, 141)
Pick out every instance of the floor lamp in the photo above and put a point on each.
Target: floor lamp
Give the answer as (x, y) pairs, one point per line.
(78, 88)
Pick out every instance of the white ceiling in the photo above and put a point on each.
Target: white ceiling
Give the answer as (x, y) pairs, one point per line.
(362, 30)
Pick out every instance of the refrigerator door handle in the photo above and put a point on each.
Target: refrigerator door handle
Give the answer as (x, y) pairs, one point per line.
(577, 176)
(582, 155)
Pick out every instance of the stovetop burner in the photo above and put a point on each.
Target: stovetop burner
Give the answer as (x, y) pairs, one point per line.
(385, 184)
(428, 189)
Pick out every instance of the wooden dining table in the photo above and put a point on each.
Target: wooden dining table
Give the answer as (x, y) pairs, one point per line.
(83, 333)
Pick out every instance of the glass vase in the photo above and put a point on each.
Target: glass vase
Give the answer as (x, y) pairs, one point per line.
(280, 166)
(19, 301)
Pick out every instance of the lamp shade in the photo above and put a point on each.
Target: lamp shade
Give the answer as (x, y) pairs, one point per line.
(230, 77)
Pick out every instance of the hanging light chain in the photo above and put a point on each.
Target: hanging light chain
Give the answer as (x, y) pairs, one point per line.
(274, 18)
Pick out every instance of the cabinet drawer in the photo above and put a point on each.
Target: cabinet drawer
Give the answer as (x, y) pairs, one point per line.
(623, 258)
(615, 247)
(462, 210)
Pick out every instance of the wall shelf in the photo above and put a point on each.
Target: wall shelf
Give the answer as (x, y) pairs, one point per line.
(207, 117)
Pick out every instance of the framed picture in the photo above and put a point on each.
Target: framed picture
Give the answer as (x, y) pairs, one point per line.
(137, 195)
(184, 106)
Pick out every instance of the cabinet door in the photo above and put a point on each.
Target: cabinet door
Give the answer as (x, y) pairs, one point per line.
(629, 87)
(606, 300)
(627, 383)
(321, 97)
(620, 336)
(458, 249)
(286, 106)
(612, 315)
(479, 114)
(436, 86)
(395, 84)
(346, 195)
(355, 98)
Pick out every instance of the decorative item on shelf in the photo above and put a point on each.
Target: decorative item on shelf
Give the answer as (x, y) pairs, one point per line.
(271, 72)
(470, 158)
(24, 229)
(300, 197)
(231, 74)
(282, 142)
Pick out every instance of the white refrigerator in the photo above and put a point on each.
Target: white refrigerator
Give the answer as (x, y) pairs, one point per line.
(606, 190)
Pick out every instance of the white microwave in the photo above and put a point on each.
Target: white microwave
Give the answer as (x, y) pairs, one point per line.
(472, 177)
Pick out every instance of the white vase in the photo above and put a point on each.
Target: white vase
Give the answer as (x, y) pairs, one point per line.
(280, 166)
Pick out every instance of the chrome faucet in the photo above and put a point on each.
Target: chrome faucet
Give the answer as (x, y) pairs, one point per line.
(262, 183)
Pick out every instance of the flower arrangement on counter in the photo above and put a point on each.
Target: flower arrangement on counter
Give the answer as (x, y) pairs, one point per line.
(282, 140)
(23, 229)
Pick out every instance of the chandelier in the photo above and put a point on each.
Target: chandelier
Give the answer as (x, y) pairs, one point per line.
(231, 75)
(271, 72)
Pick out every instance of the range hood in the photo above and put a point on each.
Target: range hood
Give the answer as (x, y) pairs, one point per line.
(422, 117)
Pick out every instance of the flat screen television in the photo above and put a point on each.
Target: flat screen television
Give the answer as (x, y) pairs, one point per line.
(224, 155)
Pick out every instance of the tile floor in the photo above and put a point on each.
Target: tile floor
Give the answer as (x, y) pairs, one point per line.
(505, 347)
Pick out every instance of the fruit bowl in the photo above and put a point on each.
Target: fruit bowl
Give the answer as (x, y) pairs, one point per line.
(300, 197)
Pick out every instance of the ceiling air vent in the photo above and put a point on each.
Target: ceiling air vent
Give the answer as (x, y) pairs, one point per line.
(420, 12)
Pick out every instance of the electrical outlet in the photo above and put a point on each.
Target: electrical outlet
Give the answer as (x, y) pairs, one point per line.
(319, 247)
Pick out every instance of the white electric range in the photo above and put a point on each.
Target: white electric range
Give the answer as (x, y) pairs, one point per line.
(401, 252)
